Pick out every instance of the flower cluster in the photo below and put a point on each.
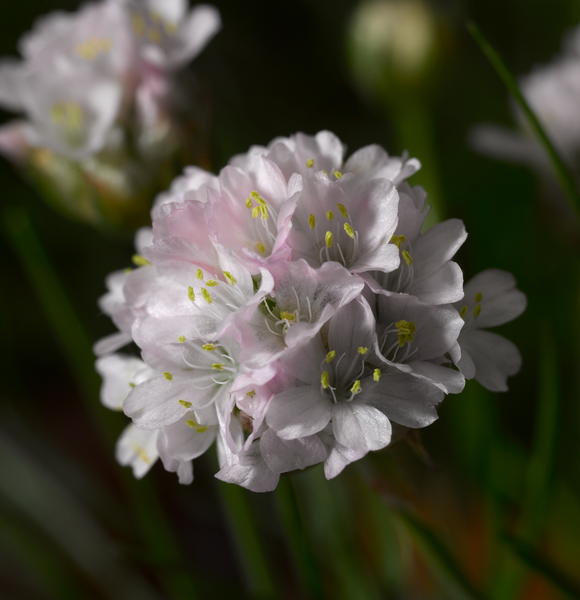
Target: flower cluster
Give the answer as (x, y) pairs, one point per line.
(293, 310)
(97, 91)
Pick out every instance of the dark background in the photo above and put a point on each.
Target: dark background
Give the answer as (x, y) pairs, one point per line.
(507, 463)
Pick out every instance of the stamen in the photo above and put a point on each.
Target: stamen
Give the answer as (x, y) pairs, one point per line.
(329, 215)
(287, 316)
(140, 261)
(476, 311)
(349, 230)
(324, 379)
(312, 221)
(355, 389)
(192, 423)
(463, 311)
(362, 350)
(255, 212)
(167, 375)
(211, 283)
(206, 296)
(478, 297)
(261, 248)
(131, 385)
(191, 294)
(199, 274)
(231, 279)
(343, 210)
(376, 374)
(251, 393)
(310, 163)
(328, 239)
(330, 356)
(406, 331)
(181, 339)
(338, 174)
(407, 258)
(218, 366)
(209, 347)
(249, 203)
(185, 403)
(398, 240)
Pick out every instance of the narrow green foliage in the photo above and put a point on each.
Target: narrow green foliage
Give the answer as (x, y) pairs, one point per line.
(562, 171)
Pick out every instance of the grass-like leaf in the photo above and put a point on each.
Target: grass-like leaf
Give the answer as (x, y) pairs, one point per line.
(562, 171)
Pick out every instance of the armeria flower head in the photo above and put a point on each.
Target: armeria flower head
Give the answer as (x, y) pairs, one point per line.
(332, 339)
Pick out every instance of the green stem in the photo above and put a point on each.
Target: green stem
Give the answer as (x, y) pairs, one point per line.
(562, 171)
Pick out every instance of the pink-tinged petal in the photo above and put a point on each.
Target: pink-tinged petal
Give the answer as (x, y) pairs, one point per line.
(111, 343)
(339, 456)
(373, 162)
(289, 455)
(384, 258)
(447, 379)
(443, 286)
(156, 402)
(184, 440)
(250, 471)
(13, 143)
(405, 399)
(138, 449)
(303, 361)
(501, 302)
(495, 358)
(360, 427)
(463, 361)
(198, 28)
(411, 220)
(299, 412)
(437, 246)
(120, 374)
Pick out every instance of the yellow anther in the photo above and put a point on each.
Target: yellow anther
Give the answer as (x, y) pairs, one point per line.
(261, 248)
(288, 316)
(463, 311)
(398, 240)
(355, 389)
(218, 366)
(199, 274)
(349, 230)
(312, 221)
(407, 258)
(140, 452)
(256, 196)
(376, 374)
(201, 429)
(310, 163)
(156, 17)
(406, 331)
(330, 215)
(255, 212)
(191, 294)
(185, 403)
(167, 375)
(249, 203)
(251, 393)
(338, 174)
(211, 283)
(328, 239)
(324, 172)
(191, 422)
(138, 23)
(170, 28)
(90, 49)
(181, 339)
(476, 311)
(206, 296)
(231, 279)
(362, 350)
(330, 356)
(324, 379)
(140, 261)
(264, 212)
(131, 385)
(154, 35)
(478, 297)
(209, 347)
(343, 210)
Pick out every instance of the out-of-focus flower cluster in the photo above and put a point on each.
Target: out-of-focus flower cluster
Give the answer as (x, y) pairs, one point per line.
(99, 97)
(292, 310)
(553, 93)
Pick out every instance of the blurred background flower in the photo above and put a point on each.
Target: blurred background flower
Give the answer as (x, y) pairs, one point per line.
(499, 516)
